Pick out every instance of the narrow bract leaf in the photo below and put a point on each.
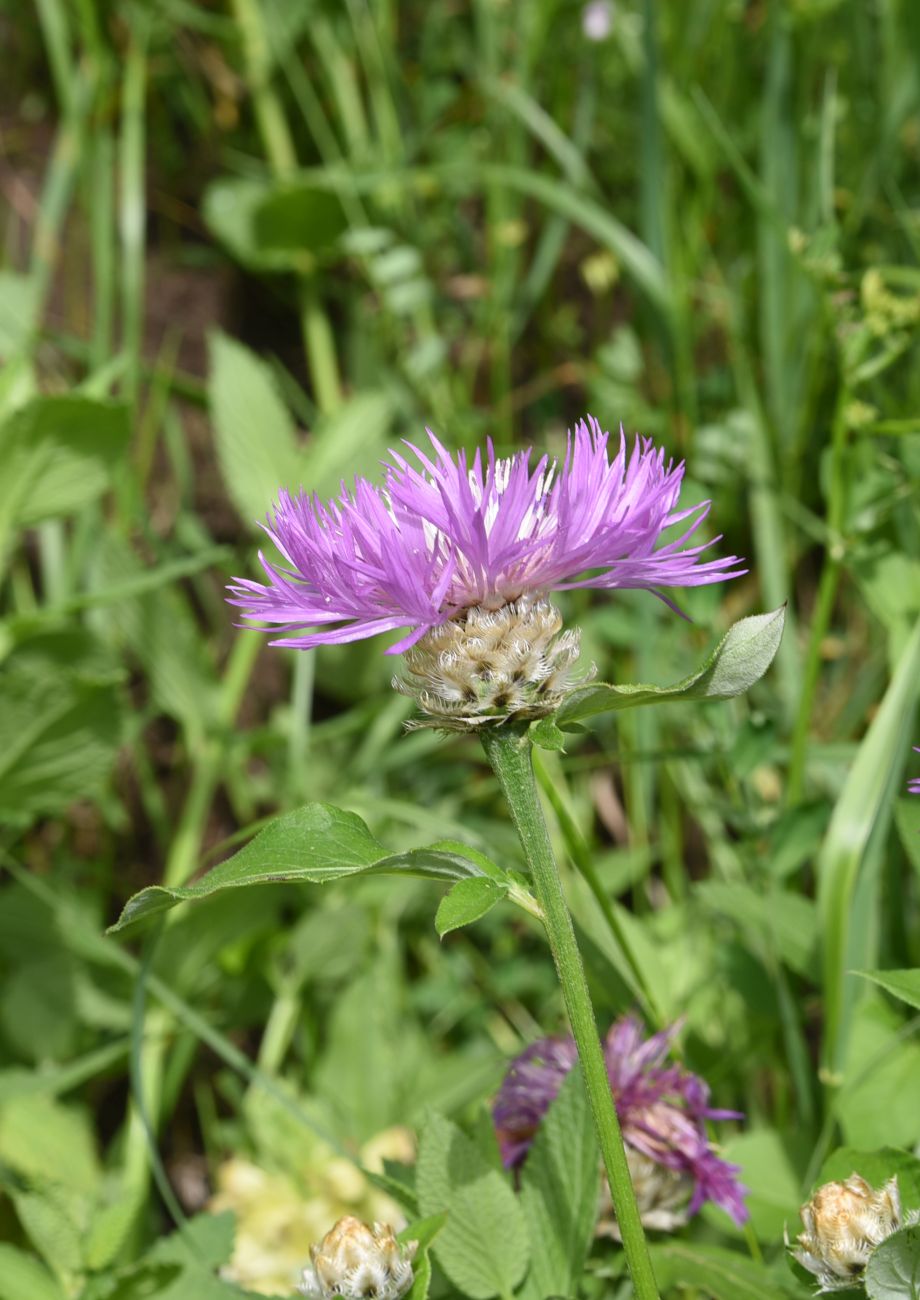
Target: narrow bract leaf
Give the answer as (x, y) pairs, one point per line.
(903, 984)
(739, 660)
(893, 1271)
(467, 902)
(312, 845)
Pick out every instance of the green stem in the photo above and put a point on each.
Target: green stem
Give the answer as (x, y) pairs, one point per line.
(508, 750)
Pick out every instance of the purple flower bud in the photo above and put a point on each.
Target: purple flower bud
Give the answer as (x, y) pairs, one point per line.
(662, 1111)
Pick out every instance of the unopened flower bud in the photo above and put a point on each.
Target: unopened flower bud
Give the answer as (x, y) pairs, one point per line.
(490, 665)
(359, 1263)
(844, 1222)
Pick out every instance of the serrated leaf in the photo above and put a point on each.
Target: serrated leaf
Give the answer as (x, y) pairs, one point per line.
(903, 984)
(466, 902)
(312, 845)
(560, 1185)
(484, 1246)
(22, 1277)
(59, 725)
(739, 660)
(893, 1270)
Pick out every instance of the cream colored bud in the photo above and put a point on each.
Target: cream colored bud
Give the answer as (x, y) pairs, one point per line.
(359, 1263)
(844, 1222)
(491, 665)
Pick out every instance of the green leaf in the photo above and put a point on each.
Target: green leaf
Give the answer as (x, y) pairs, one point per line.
(546, 735)
(22, 1277)
(57, 454)
(424, 1230)
(893, 1271)
(312, 845)
(257, 446)
(276, 226)
(720, 1274)
(559, 1193)
(739, 660)
(59, 725)
(876, 1103)
(466, 902)
(767, 1170)
(483, 1247)
(903, 984)
(41, 1139)
(860, 818)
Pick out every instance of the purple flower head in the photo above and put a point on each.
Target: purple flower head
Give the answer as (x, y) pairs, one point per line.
(662, 1108)
(444, 535)
(914, 786)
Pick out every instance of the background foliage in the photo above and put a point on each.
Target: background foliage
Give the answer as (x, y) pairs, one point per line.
(251, 244)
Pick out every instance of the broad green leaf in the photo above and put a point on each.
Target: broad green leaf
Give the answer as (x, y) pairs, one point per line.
(423, 1231)
(59, 725)
(483, 1247)
(720, 1274)
(559, 1194)
(767, 1171)
(40, 1138)
(739, 660)
(893, 1270)
(466, 902)
(276, 226)
(312, 845)
(876, 1104)
(860, 816)
(22, 1277)
(257, 445)
(903, 984)
(57, 454)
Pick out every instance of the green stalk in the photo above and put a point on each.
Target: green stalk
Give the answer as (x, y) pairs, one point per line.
(508, 750)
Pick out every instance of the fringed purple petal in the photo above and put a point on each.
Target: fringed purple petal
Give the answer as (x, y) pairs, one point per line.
(443, 534)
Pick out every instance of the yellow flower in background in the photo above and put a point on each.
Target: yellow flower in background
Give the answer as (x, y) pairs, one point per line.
(280, 1216)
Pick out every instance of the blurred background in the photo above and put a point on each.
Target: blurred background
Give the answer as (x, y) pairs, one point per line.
(252, 244)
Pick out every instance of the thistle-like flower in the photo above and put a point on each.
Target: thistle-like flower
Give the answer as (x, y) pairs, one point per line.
(465, 553)
(844, 1222)
(662, 1111)
(359, 1263)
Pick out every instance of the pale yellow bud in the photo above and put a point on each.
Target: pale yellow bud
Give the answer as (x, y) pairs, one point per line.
(358, 1263)
(844, 1222)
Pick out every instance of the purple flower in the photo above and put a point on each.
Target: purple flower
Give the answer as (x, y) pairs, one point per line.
(444, 535)
(914, 786)
(662, 1109)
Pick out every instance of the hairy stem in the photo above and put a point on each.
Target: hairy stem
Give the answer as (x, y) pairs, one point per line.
(508, 750)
